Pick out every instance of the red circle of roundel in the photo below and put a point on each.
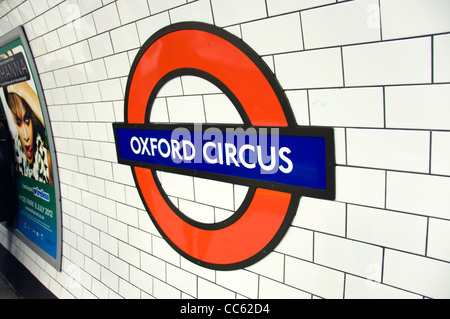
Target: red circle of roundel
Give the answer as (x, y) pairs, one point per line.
(216, 52)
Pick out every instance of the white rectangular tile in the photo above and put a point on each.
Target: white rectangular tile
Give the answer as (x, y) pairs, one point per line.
(148, 26)
(421, 106)
(118, 230)
(129, 253)
(104, 112)
(276, 7)
(326, 26)
(298, 243)
(85, 27)
(140, 239)
(271, 266)
(74, 94)
(389, 149)
(271, 289)
(96, 70)
(127, 215)
(192, 85)
(77, 74)
(315, 279)
(100, 45)
(228, 12)
(153, 265)
(219, 109)
(438, 239)
(37, 46)
(162, 250)
(64, 57)
(425, 276)
(274, 35)
(159, 6)
(321, 215)
(347, 255)
(298, 99)
(387, 228)
(39, 25)
(62, 77)
(240, 281)
(441, 62)
(117, 65)
(111, 90)
(125, 38)
(87, 6)
(366, 288)
(91, 92)
(440, 153)
(423, 17)
(197, 11)
(159, 112)
(197, 211)
(52, 41)
(214, 193)
(115, 191)
(360, 186)
(355, 107)
(186, 109)
(209, 290)
(419, 194)
(142, 280)
(26, 11)
(70, 10)
(182, 280)
(178, 185)
(132, 10)
(106, 18)
(392, 62)
(161, 290)
(309, 69)
(80, 52)
(53, 18)
(127, 290)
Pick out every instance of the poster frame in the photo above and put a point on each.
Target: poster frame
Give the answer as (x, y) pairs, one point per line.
(18, 33)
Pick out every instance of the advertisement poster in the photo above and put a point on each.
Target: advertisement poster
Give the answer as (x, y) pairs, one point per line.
(38, 215)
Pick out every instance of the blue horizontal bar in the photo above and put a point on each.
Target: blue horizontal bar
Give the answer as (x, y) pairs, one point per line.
(298, 161)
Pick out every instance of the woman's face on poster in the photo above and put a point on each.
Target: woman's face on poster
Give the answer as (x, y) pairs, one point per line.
(22, 117)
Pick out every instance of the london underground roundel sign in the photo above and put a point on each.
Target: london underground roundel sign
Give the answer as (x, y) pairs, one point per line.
(278, 160)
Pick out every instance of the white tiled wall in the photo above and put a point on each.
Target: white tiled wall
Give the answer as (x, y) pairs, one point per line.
(377, 71)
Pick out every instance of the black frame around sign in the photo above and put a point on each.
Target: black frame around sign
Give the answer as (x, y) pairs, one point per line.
(292, 128)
